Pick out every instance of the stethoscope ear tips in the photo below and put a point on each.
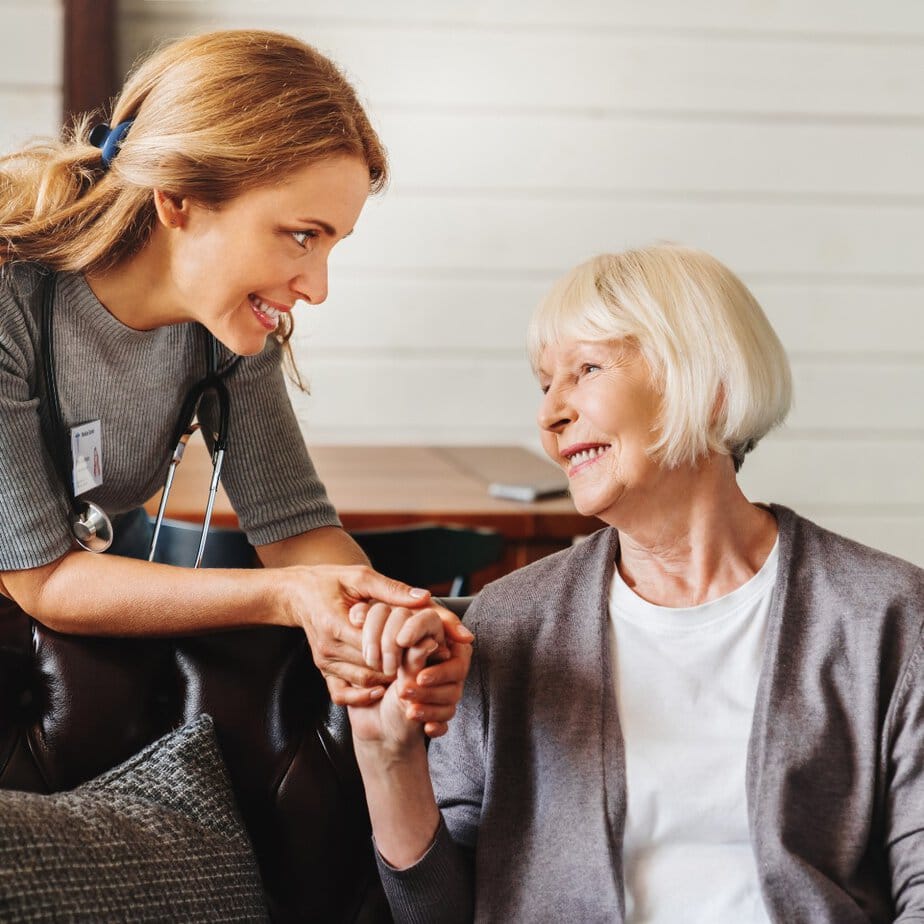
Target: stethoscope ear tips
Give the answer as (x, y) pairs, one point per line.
(92, 529)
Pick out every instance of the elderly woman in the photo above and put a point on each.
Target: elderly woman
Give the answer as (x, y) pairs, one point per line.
(710, 710)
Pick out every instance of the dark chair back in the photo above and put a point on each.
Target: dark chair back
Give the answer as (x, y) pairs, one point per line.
(74, 706)
(429, 554)
(178, 544)
(424, 554)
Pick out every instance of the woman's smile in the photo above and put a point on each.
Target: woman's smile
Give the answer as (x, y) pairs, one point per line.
(581, 456)
(267, 313)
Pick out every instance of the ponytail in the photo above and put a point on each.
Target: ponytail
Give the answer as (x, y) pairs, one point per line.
(211, 116)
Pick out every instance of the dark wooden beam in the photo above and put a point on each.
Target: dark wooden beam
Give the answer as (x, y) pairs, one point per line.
(89, 55)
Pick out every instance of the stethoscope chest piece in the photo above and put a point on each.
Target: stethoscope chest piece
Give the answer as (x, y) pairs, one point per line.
(92, 528)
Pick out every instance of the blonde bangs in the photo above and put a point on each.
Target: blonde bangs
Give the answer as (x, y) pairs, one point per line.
(721, 371)
(574, 308)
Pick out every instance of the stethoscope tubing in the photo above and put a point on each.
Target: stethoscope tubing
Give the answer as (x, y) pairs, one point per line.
(90, 525)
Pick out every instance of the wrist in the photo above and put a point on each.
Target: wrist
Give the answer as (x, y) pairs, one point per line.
(281, 593)
(388, 757)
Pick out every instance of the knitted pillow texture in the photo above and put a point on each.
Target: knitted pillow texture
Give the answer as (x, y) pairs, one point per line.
(158, 838)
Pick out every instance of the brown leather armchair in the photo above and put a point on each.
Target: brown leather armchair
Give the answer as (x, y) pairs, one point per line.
(72, 707)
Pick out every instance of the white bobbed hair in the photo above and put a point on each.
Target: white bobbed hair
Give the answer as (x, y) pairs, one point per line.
(720, 368)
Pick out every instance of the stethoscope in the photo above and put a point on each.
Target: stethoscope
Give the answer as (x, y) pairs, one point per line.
(90, 524)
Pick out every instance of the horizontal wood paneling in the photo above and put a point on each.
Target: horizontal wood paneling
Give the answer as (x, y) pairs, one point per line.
(900, 18)
(863, 320)
(611, 72)
(402, 310)
(536, 233)
(497, 391)
(898, 535)
(30, 44)
(550, 152)
(871, 476)
(859, 396)
(786, 137)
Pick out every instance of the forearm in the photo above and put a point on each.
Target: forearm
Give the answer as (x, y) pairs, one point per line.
(313, 584)
(89, 594)
(328, 545)
(402, 807)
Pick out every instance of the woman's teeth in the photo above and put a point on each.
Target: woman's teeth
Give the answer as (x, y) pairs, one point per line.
(272, 315)
(585, 455)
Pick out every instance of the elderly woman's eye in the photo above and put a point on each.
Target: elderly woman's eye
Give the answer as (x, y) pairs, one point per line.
(590, 367)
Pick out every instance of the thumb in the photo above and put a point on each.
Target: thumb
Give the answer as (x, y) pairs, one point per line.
(453, 627)
(396, 593)
(458, 632)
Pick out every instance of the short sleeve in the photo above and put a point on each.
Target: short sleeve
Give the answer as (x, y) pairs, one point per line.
(268, 473)
(34, 527)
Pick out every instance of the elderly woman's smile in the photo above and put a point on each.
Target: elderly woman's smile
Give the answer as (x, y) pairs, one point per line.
(582, 455)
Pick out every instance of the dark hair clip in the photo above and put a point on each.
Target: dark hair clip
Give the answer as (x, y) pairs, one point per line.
(108, 140)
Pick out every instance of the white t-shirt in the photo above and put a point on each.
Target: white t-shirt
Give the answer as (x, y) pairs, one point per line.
(686, 684)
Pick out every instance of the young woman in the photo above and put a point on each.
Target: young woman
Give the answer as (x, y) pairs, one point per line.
(203, 212)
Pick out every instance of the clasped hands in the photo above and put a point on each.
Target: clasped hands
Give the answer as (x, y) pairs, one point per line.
(425, 655)
(372, 637)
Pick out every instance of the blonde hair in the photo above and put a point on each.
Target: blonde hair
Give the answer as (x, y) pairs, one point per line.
(214, 115)
(719, 366)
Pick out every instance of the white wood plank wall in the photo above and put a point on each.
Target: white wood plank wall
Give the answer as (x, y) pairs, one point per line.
(30, 70)
(787, 137)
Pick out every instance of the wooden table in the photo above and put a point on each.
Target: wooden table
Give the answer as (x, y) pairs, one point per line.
(380, 486)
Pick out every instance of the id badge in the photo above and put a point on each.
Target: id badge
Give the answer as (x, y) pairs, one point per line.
(87, 453)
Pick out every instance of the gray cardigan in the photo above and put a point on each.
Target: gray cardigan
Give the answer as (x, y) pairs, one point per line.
(531, 781)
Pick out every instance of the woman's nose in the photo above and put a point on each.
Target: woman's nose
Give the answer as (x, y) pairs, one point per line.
(555, 411)
(311, 284)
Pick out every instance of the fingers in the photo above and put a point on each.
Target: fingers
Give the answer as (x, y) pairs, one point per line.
(421, 624)
(369, 584)
(343, 694)
(376, 619)
(416, 658)
(454, 628)
(358, 613)
(419, 713)
(332, 640)
(446, 695)
(452, 671)
(435, 729)
(388, 631)
(357, 675)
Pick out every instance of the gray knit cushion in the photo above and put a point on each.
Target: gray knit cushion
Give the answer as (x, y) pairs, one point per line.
(156, 839)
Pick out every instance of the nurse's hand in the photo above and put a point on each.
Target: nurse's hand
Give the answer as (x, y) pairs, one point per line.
(318, 598)
(436, 687)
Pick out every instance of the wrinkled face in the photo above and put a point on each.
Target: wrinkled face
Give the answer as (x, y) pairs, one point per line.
(597, 419)
(236, 269)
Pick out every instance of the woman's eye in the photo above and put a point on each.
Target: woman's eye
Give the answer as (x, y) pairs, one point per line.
(303, 237)
(590, 367)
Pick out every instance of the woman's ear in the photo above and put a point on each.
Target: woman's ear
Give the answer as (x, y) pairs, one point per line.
(172, 211)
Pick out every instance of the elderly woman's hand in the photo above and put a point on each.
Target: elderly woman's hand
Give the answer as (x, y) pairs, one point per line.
(395, 722)
(393, 637)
